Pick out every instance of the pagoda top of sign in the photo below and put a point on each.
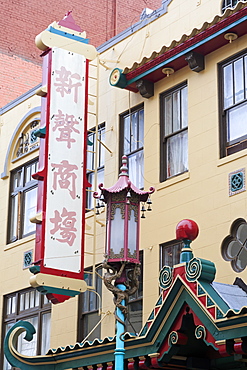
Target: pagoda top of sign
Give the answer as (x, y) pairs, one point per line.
(67, 35)
(69, 22)
(124, 183)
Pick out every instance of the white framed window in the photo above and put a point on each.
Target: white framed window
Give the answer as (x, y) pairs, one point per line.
(132, 143)
(233, 104)
(170, 253)
(174, 132)
(89, 307)
(91, 169)
(22, 202)
(28, 305)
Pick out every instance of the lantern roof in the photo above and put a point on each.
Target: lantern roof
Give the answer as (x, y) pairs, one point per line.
(124, 183)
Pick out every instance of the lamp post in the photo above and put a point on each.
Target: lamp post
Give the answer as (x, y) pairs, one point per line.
(125, 202)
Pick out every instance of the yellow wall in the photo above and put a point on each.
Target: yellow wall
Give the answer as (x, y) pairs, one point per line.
(201, 194)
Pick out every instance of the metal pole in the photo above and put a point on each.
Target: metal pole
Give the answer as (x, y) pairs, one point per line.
(120, 329)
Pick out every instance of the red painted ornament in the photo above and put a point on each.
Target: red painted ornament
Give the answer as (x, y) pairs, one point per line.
(187, 229)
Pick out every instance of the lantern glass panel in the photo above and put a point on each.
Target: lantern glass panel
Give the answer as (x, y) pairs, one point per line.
(132, 234)
(117, 235)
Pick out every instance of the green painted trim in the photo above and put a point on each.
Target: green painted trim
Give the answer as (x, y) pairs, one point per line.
(99, 351)
(121, 82)
(34, 269)
(47, 289)
(41, 132)
(21, 361)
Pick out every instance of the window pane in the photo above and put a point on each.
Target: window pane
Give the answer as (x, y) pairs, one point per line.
(101, 148)
(127, 137)
(30, 170)
(173, 131)
(168, 115)
(91, 165)
(90, 150)
(176, 110)
(235, 118)
(245, 73)
(228, 86)
(30, 203)
(6, 365)
(239, 80)
(135, 316)
(45, 333)
(184, 107)
(136, 165)
(85, 301)
(89, 322)
(133, 141)
(100, 179)
(92, 301)
(37, 298)
(177, 154)
(134, 131)
(9, 306)
(22, 305)
(21, 203)
(13, 309)
(98, 284)
(46, 300)
(25, 347)
(13, 231)
(17, 179)
(32, 296)
(27, 303)
(40, 319)
(168, 260)
(90, 198)
(170, 254)
(89, 306)
(141, 128)
(28, 174)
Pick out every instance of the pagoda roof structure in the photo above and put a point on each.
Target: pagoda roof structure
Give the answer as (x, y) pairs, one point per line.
(124, 183)
(196, 323)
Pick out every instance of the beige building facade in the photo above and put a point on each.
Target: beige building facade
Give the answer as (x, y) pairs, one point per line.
(186, 138)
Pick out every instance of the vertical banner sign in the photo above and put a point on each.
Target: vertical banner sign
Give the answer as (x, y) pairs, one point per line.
(59, 250)
(64, 212)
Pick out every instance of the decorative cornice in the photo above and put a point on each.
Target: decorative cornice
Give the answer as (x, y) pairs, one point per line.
(204, 40)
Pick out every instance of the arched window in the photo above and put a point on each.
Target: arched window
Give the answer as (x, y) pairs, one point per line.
(21, 162)
(230, 4)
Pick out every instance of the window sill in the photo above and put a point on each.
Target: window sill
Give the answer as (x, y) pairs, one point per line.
(232, 157)
(173, 180)
(20, 242)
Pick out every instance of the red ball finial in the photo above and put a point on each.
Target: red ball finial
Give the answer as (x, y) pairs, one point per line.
(187, 229)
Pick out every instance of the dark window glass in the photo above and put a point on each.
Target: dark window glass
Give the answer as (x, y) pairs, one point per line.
(28, 305)
(23, 201)
(89, 307)
(170, 253)
(229, 4)
(132, 142)
(134, 319)
(174, 132)
(233, 105)
(93, 167)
